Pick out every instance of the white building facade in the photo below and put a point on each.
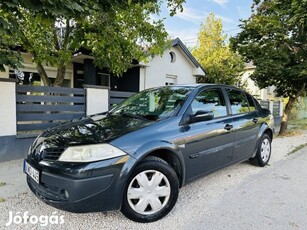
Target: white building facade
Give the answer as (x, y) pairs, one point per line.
(261, 94)
(176, 66)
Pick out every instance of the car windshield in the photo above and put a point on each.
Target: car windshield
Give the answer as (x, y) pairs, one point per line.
(154, 104)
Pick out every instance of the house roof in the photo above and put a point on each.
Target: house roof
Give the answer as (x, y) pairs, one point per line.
(177, 42)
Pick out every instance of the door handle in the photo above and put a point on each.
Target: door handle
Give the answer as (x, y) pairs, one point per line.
(255, 120)
(228, 127)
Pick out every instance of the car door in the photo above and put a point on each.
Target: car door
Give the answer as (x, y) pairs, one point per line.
(209, 144)
(245, 123)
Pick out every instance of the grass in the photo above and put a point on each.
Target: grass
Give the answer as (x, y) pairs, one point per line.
(291, 133)
(2, 199)
(2, 184)
(300, 124)
(297, 148)
(295, 128)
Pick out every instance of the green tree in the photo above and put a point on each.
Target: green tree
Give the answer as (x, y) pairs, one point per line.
(274, 38)
(115, 31)
(222, 65)
(50, 9)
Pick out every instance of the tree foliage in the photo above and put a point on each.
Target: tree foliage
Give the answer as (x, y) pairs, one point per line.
(115, 31)
(274, 38)
(123, 35)
(222, 65)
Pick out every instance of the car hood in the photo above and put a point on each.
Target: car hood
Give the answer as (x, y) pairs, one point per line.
(90, 130)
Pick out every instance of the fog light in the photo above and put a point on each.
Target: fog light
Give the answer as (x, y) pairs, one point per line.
(64, 194)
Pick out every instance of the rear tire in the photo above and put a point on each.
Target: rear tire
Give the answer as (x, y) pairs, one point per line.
(263, 152)
(151, 191)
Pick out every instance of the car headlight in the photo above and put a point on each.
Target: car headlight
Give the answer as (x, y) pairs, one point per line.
(90, 153)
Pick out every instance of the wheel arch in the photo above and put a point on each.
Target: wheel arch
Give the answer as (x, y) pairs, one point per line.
(264, 129)
(269, 132)
(162, 149)
(171, 157)
(165, 150)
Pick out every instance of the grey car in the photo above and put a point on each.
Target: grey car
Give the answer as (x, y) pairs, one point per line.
(137, 156)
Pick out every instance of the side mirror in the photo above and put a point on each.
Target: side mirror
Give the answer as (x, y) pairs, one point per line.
(202, 115)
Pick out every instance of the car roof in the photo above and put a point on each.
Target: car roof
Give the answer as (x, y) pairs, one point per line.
(201, 85)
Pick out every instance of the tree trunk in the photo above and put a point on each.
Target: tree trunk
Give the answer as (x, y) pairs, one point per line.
(59, 80)
(289, 106)
(285, 117)
(43, 74)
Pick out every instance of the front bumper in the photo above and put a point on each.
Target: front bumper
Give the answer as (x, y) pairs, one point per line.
(78, 188)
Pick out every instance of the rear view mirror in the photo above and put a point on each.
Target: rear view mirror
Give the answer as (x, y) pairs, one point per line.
(202, 115)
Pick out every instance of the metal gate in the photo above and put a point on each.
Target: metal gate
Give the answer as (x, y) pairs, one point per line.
(117, 97)
(42, 107)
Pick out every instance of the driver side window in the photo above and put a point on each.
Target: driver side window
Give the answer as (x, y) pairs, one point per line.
(211, 100)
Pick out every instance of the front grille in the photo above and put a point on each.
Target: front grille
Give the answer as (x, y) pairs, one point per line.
(51, 153)
(45, 191)
(35, 153)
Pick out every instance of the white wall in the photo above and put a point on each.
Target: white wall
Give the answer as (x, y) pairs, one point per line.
(159, 67)
(7, 108)
(4, 74)
(142, 78)
(252, 88)
(97, 100)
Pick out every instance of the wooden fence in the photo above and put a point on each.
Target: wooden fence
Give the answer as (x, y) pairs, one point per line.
(41, 107)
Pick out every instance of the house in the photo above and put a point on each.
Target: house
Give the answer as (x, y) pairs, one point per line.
(261, 94)
(266, 96)
(176, 66)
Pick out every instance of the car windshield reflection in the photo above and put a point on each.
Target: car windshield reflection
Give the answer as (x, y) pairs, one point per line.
(153, 104)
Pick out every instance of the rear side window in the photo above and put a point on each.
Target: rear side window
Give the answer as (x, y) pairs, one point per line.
(258, 106)
(251, 102)
(238, 101)
(210, 100)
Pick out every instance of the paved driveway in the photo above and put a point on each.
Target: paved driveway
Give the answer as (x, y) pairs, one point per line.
(238, 197)
(275, 198)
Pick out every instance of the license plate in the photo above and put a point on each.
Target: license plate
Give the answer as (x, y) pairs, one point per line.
(32, 172)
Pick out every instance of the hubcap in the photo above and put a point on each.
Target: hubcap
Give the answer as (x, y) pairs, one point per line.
(265, 150)
(148, 192)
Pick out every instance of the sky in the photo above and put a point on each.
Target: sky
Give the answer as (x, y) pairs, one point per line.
(186, 24)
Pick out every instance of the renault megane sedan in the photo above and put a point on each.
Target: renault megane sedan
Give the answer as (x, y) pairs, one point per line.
(137, 156)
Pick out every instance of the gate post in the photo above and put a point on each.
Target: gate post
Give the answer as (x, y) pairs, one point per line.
(7, 107)
(97, 99)
(271, 107)
(281, 108)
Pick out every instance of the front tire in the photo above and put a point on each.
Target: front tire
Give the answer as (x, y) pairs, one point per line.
(151, 191)
(263, 152)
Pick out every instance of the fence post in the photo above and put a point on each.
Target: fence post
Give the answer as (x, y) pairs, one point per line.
(97, 99)
(271, 107)
(8, 107)
(281, 108)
